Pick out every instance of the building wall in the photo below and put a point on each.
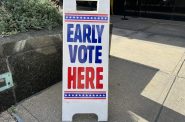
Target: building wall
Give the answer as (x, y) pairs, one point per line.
(165, 9)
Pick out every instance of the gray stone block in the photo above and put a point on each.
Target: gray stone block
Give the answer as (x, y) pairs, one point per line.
(6, 99)
(3, 65)
(35, 64)
(35, 70)
(22, 46)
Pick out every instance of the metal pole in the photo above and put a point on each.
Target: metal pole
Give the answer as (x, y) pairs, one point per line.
(124, 10)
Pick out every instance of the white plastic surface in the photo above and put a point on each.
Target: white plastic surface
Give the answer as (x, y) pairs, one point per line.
(88, 31)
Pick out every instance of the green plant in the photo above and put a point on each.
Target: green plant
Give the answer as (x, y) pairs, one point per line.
(23, 15)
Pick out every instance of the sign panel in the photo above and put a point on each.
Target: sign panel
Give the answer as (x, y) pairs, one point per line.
(85, 60)
(6, 81)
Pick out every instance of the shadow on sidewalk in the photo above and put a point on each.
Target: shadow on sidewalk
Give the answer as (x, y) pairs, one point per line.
(126, 104)
(127, 81)
(152, 30)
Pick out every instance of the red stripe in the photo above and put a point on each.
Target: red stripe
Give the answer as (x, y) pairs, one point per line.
(86, 14)
(87, 21)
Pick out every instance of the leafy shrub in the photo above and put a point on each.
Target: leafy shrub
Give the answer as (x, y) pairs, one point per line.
(23, 15)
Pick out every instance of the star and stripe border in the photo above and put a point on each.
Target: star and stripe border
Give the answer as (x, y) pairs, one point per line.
(97, 95)
(99, 18)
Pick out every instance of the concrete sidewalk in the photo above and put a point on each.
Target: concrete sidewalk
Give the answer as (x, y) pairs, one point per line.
(147, 76)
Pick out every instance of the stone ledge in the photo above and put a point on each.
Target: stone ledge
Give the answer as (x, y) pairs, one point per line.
(35, 64)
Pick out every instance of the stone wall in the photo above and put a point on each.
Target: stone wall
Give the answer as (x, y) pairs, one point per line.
(35, 64)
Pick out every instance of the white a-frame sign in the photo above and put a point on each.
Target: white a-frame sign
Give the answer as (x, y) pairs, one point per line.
(85, 60)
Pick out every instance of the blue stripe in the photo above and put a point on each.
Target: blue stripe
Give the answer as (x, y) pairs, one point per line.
(100, 18)
(85, 95)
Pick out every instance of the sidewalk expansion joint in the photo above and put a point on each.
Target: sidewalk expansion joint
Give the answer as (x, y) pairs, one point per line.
(30, 113)
(162, 105)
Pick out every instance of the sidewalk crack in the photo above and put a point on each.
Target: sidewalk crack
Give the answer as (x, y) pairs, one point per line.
(162, 105)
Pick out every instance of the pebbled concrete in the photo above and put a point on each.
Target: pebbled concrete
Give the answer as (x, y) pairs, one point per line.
(35, 70)
(3, 67)
(24, 114)
(6, 117)
(45, 107)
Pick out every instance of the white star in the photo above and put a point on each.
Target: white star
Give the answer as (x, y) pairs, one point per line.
(93, 95)
(80, 17)
(90, 95)
(76, 95)
(79, 95)
(86, 95)
(98, 17)
(94, 17)
(91, 17)
(102, 18)
(97, 95)
(84, 17)
(83, 95)
(69, 95)
(87, 17)
(77, 17)
(72, 95)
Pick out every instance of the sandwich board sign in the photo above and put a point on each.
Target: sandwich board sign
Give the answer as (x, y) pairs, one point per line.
(85, 60)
